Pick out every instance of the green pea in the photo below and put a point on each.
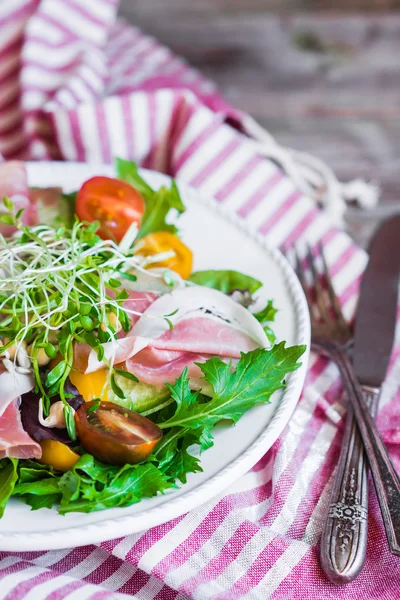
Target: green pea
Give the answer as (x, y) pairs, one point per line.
(50, 350)
(86, 322)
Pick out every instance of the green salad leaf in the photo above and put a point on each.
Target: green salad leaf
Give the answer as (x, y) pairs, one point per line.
(267, 314)
(130, 484)
(226, 281)
(91, 485)
(188, 423)
(158, 203)
(257, 376)
(173, 456)
(8, 479)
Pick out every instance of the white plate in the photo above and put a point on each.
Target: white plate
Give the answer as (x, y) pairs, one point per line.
(218, 240)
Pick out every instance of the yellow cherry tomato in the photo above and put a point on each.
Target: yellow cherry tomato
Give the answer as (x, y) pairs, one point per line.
(90, 385)
(58, 455)
(164, 241)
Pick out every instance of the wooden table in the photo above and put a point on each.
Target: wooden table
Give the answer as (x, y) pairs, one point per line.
(322, 82)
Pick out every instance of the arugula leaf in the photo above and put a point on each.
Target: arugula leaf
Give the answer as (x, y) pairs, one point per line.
(30, 470)
(8, 478)
(257, 376)
(226, 281)
(158, 203)
(89, 468)
(42, 487)
(267, 314)
(189, 420)
(172, 454)
(128, 486)
(91, 485)
(46, 501)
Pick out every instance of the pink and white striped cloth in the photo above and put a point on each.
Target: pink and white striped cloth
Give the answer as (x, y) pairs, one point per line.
(76, 84)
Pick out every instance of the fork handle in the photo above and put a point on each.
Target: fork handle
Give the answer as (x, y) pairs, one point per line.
(344, 536)
(386, 480)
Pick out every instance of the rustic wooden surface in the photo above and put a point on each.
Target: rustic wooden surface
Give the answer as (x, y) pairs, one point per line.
(323, 82)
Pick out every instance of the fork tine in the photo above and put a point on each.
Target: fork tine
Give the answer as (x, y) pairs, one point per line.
(302, 278)
(319, 294)
(331, 292)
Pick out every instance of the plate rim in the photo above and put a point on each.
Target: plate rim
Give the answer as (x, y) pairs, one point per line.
(122, 525)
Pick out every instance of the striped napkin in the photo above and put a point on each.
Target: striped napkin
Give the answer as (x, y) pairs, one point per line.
(75, 84)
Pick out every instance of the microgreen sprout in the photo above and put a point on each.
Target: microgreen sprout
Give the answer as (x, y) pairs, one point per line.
(58, 287)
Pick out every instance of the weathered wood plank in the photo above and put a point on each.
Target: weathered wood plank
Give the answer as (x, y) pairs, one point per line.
(212, 7)
(308, 65)
(324, 83)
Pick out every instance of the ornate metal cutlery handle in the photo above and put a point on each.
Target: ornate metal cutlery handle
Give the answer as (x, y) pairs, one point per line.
(344, 537)
(386, 480)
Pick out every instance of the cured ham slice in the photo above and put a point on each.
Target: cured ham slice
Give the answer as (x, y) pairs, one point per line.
(203, 335)
(157, 367)
(14, 441)
(14, 185)
(203, 320)
(206, 324)
(126, 346)
(118, 351)
(12, 386)
(48, 197)
(137, 303)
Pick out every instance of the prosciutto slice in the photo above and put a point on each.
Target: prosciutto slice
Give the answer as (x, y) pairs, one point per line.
(137, 304)
(14, 185)
(203, 335)
(49, 197)
(207, 324)
(204, 320)
(157, 367)
(14, 441)
(12, 386)
(118, 351)
(126, 346)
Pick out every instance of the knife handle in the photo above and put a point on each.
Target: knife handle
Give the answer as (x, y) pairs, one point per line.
(386, 479)
(344, 536)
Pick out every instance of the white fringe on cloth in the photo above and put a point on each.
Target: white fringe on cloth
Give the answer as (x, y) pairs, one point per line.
(313, 177)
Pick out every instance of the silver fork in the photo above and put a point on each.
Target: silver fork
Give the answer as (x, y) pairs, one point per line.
(344, 537)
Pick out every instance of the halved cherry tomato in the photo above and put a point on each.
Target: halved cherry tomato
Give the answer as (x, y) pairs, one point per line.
(164, 241)
(58, 455)
(114, 434)
(116, 204)
(90, 385)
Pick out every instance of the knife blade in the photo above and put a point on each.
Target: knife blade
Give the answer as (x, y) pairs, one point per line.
(377, 311)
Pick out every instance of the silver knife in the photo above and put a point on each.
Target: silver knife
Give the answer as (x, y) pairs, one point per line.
(344, 538)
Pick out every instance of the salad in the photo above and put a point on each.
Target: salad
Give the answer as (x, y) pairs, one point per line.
(116, 359)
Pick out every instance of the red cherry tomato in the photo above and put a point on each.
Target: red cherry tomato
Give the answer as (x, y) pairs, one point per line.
(116, 204)
(114, 434)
